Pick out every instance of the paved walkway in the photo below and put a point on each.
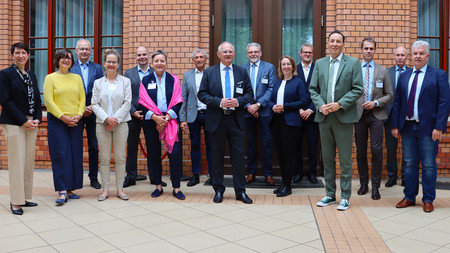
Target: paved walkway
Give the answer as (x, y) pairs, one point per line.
(165, 224)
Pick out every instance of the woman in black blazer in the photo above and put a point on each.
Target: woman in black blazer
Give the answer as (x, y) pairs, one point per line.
(289, 95)
(21, 114)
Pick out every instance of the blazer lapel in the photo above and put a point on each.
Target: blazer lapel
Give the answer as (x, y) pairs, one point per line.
(374, 82)
(219, 80)
(426, 79)
(341, 67)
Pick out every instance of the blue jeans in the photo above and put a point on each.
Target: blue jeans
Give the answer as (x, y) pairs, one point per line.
(418, 149)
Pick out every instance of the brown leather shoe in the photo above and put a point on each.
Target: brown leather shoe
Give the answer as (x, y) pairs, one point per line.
(428, 207)
(269, 180)
(405, 203)
(250, 178)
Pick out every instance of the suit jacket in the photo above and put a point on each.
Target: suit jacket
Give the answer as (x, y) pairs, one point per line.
(433, 104)
(188, 111)
(263, 91)
(307, 81)
(391, 72)
(14, 98)
(349, 87)
(296, 96)
(120, 98)
(95, 72)
(211, 94)
(133, 75)
(383, 95)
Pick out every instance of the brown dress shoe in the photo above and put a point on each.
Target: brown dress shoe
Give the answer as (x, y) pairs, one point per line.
(250, 178)
(269, 180)
(428, 207)
(405, 203)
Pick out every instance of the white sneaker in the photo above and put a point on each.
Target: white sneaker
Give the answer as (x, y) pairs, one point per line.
(343, 205)
(326, 201)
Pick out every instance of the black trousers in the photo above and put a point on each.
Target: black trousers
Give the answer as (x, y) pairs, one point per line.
(134, 131)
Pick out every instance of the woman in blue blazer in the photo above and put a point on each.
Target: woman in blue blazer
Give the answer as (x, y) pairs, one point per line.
(288, 97)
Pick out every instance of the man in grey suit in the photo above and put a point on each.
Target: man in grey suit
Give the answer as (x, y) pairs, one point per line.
(335, 86)
(192, 114)
(262, 77)
(135, 124)
(371, 113)
(400, 56)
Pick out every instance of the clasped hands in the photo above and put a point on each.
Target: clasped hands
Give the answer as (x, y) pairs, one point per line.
(278, 108)
(229, 103)
(160, 121)
(331, 107)
(111, 122)
(71, 122)
(31, 124)
(253, 110)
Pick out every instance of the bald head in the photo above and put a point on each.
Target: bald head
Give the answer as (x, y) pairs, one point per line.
(142, 57)
(400, 56)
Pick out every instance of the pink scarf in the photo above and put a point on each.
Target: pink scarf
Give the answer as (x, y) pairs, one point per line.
(170, 133)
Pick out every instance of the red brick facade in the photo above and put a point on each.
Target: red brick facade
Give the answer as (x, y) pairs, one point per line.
(180, 26)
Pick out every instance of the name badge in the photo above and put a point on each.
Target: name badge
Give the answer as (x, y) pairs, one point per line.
(112, 87)
(239, 90)
(151, 86)
(379, 83)
(265, 81)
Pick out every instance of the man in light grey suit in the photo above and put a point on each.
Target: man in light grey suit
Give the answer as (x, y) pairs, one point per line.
(135, 124)
(192, 114)
(401, 55)
(262, 76)
(371, 113)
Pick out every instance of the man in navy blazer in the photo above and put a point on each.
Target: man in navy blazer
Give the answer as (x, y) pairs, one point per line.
(225, 89)
(305, 69)
(262, 77)
(400, 57)
(420, 114)
(89, 72)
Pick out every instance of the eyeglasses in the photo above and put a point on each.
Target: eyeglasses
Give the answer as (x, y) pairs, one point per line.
(307, 52)
(111, 62)
(84, 49)
(253, 52)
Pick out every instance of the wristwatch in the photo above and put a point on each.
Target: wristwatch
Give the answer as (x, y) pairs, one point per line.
(258, 104)
(166, 118)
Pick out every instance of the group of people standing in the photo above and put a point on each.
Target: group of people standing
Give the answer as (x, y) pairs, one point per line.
(337, 96)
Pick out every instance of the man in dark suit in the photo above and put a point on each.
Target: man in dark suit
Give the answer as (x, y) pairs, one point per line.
(419, 115)
(135, 74)
(192, 114)
(401, 55)
(225, 89)
(262, 77)
(335, 86)
(305, 69)
(371, 113)
(89, 72)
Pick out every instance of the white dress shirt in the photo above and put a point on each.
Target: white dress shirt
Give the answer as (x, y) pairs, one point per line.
(419, 86)
(336, 68)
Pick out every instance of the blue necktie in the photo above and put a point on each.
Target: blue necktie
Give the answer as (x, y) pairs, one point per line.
(227, 83)
(252, 79)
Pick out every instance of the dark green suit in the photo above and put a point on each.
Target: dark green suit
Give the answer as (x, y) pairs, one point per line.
(336, 128)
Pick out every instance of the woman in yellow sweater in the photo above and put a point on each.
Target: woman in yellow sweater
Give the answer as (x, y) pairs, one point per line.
(65, 99)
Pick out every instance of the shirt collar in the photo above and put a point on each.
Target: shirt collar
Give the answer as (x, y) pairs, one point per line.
(139, 69)
(83, 64)
(339, 58)
(423, 69)
(371, 63)
(256, 64)
(222, 66)
(397, 68)
(304, 66)
(198, 71)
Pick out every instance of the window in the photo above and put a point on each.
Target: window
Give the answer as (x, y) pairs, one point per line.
(56, 24)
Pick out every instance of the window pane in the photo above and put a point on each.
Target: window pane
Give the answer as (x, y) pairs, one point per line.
(59, 18)
(297, 26)
(111, 42)
(37, 43)
(237, 26)
(38, 17)
(38, 65)
(59, 43)
(434, 59)
(428, 18)
(74, 17)
(89, 20)
(112, 17)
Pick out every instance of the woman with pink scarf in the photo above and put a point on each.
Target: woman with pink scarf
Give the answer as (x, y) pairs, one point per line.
(160, 99)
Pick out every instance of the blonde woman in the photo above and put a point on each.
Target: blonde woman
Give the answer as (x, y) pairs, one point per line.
(111, 101)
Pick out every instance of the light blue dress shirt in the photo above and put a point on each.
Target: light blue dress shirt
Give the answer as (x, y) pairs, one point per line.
(141, 72)
(161, 98)
(84, 73)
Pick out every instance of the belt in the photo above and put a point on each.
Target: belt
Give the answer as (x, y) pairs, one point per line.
(413, 121)
(201, 111)
(228, 112)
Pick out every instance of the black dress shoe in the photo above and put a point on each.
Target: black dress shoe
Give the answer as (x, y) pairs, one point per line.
(312, 179)
(277, 190)
(95, 184)
(16, 211)
(244, 198)
(195, 179)
(363, 189)
(375, 194)
(128, 182)
(29, 204)
(163, 184)
(141, 177)
(391, 182)
(218, 197)
(284, 191)
(297, 178)
(403, 182)
(185, 178)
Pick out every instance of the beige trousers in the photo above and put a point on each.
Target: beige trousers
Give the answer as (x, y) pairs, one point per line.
(118, 138)
(21, 145)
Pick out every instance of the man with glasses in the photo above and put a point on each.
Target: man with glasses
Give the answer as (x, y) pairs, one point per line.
(89, 72)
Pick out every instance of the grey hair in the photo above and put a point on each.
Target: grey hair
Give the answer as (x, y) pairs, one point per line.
(158, 52)
(306, 45)
(218, 49)
(253, 44)
(78, 42)
(421, 43)
(199, 50)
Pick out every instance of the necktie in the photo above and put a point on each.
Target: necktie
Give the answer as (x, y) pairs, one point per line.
(366, 84)
(398, 75)
(330, 82)
(253, 80)
(412, 96)
(227, 83)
